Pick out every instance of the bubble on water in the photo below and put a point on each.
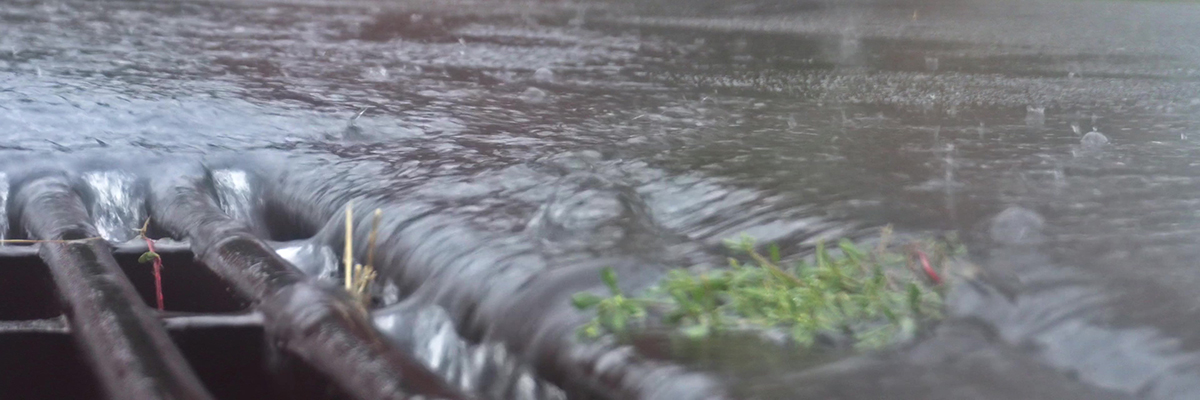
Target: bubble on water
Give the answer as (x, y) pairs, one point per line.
(543, 75)
(1017, 225)
(533, 95)
(1093, 140)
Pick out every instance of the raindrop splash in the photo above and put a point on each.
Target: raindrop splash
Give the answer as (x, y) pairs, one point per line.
(1035, 116)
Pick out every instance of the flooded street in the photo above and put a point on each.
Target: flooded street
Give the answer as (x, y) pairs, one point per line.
(517, 148)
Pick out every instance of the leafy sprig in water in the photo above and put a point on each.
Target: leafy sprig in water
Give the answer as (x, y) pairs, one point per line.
(873, 297)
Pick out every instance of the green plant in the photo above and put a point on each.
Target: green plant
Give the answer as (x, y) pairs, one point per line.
(870, 297)
(613, 313)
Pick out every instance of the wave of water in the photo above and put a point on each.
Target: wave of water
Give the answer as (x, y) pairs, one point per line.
(118, 203)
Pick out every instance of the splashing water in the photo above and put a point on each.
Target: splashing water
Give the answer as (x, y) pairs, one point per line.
(390, 294)
(316, 260)
(233, 193)
(487, 370)
(118, 207)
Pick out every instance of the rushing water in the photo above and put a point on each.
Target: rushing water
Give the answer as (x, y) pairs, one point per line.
(118, 204)
(516, 148)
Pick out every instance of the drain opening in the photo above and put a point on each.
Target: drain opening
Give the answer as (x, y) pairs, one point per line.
(188, 285)
(27, 290)
(235, 363)
(44, 366)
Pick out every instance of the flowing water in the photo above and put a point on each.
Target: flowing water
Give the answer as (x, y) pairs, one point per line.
(514, 148)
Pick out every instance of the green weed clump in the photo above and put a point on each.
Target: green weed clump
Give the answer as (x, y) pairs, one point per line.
(873, 298)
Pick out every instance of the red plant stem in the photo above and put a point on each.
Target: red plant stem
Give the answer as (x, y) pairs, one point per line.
(157, 273)
(933, 275)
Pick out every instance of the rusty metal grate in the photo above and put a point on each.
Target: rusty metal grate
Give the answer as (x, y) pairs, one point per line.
(78, 320)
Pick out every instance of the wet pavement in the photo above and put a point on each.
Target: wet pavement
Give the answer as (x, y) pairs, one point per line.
(548, 137)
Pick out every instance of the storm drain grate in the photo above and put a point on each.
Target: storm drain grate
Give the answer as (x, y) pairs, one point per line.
(78, 317)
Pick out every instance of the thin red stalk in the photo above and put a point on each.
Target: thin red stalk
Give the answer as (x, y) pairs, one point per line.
(157, 273)
(933, 275)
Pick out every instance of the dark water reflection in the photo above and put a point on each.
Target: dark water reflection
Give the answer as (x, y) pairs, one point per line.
(656, 137)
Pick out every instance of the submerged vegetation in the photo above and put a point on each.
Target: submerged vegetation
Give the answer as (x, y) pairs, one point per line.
(871, 298)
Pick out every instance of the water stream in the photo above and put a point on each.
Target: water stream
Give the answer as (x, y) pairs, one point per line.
(517, 148)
